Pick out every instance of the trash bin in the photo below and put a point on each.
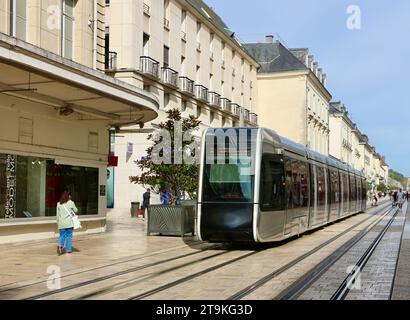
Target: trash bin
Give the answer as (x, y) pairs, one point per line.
(134, 209)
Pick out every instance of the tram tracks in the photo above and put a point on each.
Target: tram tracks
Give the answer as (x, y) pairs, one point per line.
(281, 270)
(109, 284)
(308, 279)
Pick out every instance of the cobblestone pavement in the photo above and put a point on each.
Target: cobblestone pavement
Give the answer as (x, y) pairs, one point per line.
(376, 279)
(124, 263)
(401, 289)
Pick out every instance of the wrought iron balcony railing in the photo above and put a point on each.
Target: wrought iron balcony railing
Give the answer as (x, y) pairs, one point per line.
(149, 66)
(166, 23)
(146, 9)
(236, 109)
(186, 85)
(246, 115)
(253, 118)
(201, 92)
(225, 104)
(111, 61)
(214, 99)
(170, 76)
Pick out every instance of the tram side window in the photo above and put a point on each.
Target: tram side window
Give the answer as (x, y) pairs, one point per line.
(345, 188)
(353, 190)
(321, 186)
(364, 190)
(335, 187)
(272, 184)
(297, 183)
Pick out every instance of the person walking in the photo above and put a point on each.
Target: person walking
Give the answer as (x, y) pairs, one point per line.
(65, 223)
(146, 198)
(400, 198)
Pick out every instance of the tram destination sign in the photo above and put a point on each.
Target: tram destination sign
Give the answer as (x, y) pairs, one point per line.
(11, 181)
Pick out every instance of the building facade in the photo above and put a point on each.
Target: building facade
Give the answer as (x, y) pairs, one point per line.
(349, 145)
(292, 95)
(56, 109)
(182, 52)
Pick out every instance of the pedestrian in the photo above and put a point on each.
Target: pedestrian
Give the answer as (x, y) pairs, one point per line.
(65, 208)
(146, 197)
(375, 198)
(165, 197)
(394, 198)
(400, 198)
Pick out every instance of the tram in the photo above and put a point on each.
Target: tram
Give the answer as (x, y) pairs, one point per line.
(258, 187)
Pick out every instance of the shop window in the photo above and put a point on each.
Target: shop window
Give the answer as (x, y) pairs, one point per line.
(30, 187)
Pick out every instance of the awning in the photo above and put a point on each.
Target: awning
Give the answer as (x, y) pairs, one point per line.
(31, 73)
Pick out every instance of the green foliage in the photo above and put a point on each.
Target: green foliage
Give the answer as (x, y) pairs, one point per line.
(178, 179)
(382, 187)
(398, 177)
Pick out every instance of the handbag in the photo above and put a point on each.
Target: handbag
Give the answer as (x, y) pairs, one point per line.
(74, 217)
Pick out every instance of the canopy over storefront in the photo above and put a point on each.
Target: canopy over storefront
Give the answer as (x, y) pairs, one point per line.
(31, 73)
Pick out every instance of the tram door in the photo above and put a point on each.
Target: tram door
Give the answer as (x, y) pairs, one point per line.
(319, 203)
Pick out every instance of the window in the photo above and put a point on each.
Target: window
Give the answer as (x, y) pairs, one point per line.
(198, 111)
(183, 65)
(198, 74)
(211, 117)
(166, 100)
(183, 105)
(297, 182)
(67, 29)
(40, 184)
(166, 57)
(272, 194)
(183, 19)
(145, 44)
(107, 47)
(18, 19)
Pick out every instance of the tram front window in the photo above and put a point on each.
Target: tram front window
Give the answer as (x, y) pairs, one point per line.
(228, 183)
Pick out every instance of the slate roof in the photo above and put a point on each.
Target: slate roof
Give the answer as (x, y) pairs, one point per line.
(274, 57)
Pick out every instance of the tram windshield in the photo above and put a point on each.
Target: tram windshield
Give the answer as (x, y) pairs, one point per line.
(230, 179)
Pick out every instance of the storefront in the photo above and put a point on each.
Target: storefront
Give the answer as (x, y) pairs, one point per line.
(55, 118)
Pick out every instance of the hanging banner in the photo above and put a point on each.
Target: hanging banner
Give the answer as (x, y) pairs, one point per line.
(11, 181)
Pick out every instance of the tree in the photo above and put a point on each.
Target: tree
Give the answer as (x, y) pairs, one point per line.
(175, 176)
(382, 187)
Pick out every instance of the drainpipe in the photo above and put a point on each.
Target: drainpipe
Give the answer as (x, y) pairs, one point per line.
(95, 35)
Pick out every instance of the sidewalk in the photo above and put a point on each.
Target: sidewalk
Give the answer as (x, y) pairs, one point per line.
(125, 237)
(401, 288)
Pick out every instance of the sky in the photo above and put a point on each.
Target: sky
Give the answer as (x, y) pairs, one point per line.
(368, 69)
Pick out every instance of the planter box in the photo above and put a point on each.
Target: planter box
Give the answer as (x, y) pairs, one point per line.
(171, 220)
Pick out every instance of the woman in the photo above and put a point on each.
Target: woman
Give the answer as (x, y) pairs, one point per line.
(65, 223)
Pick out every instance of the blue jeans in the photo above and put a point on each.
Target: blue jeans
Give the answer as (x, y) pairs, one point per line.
(66, 237)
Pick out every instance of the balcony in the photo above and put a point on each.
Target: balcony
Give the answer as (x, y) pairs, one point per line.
(166, 24)
(253, 118)
(236, 109)
(187, 85)
(147, 9)
(201, 93)
(214, 99)
(225, 104)
(170, 77)
(111, 61)
(246, 115)
(149, 67)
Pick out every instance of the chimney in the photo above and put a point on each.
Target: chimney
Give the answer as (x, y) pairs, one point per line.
(319, 74)
(310, 62)
(269, 38)
(315, 66)
(324, 78)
